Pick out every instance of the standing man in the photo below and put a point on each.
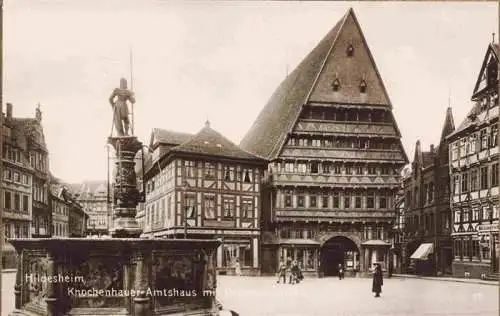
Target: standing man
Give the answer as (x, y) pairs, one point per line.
(120, 107)
(378, 280)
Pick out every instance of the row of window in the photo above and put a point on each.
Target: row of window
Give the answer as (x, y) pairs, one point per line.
(295, 233)
(16, 177)
(346, 115)
(340, 200)
(426, 223)
(428, 195)
(59, 208)
(475, 142)
(475, 179)
(12, 154)
(203, 170)
(37, 159)
(16, 202)
(59, 229)
(476, 214)
(343, 142)
(157, 212)
(306, 258)
(468, 248)
(16, 230)
(40, 225)
(40, 192)
(193, 170)
(160, 180)
(335, 168)
(97, 222)
(232, 253)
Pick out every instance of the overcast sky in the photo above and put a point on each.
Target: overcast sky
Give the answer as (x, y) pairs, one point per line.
(194, 60)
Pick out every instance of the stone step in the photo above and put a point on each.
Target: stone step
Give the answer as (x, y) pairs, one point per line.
(493, 277)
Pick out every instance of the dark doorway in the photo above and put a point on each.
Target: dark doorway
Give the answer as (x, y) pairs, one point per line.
(335, 251)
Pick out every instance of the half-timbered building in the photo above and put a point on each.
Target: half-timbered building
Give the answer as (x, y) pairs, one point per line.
(335, 159)
(205, 187)
(474, 177)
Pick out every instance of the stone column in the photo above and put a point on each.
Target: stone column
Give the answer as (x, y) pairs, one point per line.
(51, 298)
(19, 280)
(126, 195)
(142, 302)
(367, 260)
(255, 253)
(219, 256)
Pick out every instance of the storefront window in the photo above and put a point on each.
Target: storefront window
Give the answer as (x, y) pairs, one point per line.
(475, 249)
(308, 259)
(229, 255)
(300, 256)
(246, 258)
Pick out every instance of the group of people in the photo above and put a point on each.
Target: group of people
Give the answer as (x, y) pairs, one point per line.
(292, 270)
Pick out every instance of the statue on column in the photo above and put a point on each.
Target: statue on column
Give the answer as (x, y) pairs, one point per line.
(118, 101)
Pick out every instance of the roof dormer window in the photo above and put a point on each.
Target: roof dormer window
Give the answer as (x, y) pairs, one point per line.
(350, 51)
(336, 84)
(362, 86)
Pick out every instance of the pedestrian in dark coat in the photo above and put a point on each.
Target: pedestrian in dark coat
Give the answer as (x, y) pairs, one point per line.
(341, 271)
(282, 272)
(378, 280)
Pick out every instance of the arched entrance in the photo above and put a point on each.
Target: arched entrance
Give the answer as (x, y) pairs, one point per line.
(338, 250)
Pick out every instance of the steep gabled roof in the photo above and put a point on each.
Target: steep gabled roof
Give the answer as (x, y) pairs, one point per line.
(163, 136)
(32, 129)
(210, 142)
(491, 52)
(476, 116)
(269, 131)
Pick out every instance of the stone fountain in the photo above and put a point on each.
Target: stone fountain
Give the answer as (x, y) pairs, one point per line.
(122, 275)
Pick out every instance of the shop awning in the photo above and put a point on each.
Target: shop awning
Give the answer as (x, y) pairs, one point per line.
(375, 242)
(422, 251)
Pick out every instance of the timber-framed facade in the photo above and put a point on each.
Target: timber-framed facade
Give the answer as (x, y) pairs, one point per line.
(474, 177)
(335, 160)
(204, 186)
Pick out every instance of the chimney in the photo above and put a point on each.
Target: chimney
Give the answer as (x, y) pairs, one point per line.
(9, 110)
(432, 148)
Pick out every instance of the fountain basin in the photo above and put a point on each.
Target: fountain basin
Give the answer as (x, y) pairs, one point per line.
(116, 276)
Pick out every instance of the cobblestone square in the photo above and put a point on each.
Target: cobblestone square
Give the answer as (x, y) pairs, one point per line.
(259, 296)
(352, 296)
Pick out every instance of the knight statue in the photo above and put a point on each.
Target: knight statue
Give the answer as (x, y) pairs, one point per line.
(118, 100)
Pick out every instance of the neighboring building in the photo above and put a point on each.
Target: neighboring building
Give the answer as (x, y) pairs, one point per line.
(398, 230)
(16, 185)
(77, 220)
(204, 186)
(335, 159)
(93, 197)
(60, 215)
(144, 157)
(36, 154)
(60, 206)
(427, 214)
(474, 174)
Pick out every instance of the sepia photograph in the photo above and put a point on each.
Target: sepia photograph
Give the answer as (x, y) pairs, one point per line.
(249, 158)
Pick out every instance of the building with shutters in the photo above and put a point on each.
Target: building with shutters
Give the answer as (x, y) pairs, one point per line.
(335, 158)
(474, 177)
(205, 186)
